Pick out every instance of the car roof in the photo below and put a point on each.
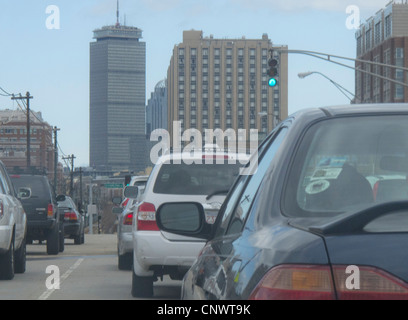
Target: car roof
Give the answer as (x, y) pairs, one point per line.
(355, 109)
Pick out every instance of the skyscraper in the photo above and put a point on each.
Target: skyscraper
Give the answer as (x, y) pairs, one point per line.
(117, 98)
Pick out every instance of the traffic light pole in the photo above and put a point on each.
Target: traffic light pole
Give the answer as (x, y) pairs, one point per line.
(328, 57)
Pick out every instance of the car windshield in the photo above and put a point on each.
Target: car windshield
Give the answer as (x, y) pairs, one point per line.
(195, 179)
(345, 164)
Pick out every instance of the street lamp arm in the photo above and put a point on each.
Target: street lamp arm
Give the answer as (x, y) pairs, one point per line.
(338, 86)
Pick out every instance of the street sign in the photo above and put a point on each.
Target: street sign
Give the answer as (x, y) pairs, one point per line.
(113, 185)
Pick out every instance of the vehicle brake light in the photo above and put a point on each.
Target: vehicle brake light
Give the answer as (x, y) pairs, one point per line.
(146, 217)
(374, 284)
(70, 216)
(128, 220)
(314, 282)
(224, 157)
(295, 282)
(50, 210)
(375, 190)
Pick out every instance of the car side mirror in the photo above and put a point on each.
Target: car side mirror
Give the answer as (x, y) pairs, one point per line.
(131, 192)
(24, 193)
(183, 218)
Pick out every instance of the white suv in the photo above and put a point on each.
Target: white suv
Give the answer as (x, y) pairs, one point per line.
(174, 179)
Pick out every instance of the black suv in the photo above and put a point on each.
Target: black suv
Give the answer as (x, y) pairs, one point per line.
(41, 207)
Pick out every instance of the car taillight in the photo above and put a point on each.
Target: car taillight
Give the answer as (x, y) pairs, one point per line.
(295, 282)
(146, 217)
(50, 210)
(70, 216)
(375, 190)
(314, 282)
(128, 220)
(373, 284)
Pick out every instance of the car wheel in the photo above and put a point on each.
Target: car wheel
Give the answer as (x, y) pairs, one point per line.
(125, 261)
(7, 263)
(77, 239)
(142, 287)
(53, 241)
(61, 239)
(82, 236)
(20, 258)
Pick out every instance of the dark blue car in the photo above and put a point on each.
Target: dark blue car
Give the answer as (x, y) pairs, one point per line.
(325, 215)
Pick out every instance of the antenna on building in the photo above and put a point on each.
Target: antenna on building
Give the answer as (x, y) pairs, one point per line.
(117, 13)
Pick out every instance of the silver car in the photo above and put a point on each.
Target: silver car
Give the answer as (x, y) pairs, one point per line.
(13, 228)
(125, 220)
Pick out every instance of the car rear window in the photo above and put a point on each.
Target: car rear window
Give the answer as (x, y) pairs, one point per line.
(66, 203)
(38, 185)
(347, 164)
(195, 179)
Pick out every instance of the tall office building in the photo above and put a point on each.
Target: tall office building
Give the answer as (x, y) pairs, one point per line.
(383, 38)
(223, 83)
(156, 109)
(117, 98)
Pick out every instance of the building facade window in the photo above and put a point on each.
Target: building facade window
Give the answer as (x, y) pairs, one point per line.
(388, 26)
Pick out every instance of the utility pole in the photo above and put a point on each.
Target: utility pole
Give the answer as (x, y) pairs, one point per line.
(27, 97)
(80, 189)
(55, 158)
(71, 185)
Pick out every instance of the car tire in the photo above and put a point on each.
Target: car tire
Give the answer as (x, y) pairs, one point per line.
(7, 263)
(142, 287)
(20, 258)
(77, 239)
(53, 241)
(61, 239)
(125, 261)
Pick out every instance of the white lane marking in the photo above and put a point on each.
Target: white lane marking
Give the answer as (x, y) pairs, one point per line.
(46, 294)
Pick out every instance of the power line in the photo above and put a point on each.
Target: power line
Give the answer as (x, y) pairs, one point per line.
(6, 93)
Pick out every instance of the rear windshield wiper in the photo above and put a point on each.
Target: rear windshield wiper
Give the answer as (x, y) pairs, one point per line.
(216, 193)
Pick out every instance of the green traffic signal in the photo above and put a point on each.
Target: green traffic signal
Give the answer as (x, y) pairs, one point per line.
(272, 82)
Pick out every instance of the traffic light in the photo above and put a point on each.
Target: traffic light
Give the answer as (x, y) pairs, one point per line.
(272, 72)
(127, 179)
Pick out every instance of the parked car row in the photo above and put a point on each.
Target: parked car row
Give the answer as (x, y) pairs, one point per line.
(324, 216)
(30, 211)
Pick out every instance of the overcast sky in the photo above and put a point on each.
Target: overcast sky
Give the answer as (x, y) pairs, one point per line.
(53, 64)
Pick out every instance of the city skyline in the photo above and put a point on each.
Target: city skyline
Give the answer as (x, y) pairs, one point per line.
(37, 59)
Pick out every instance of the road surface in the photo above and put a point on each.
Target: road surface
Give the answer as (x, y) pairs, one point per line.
(82, 272)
